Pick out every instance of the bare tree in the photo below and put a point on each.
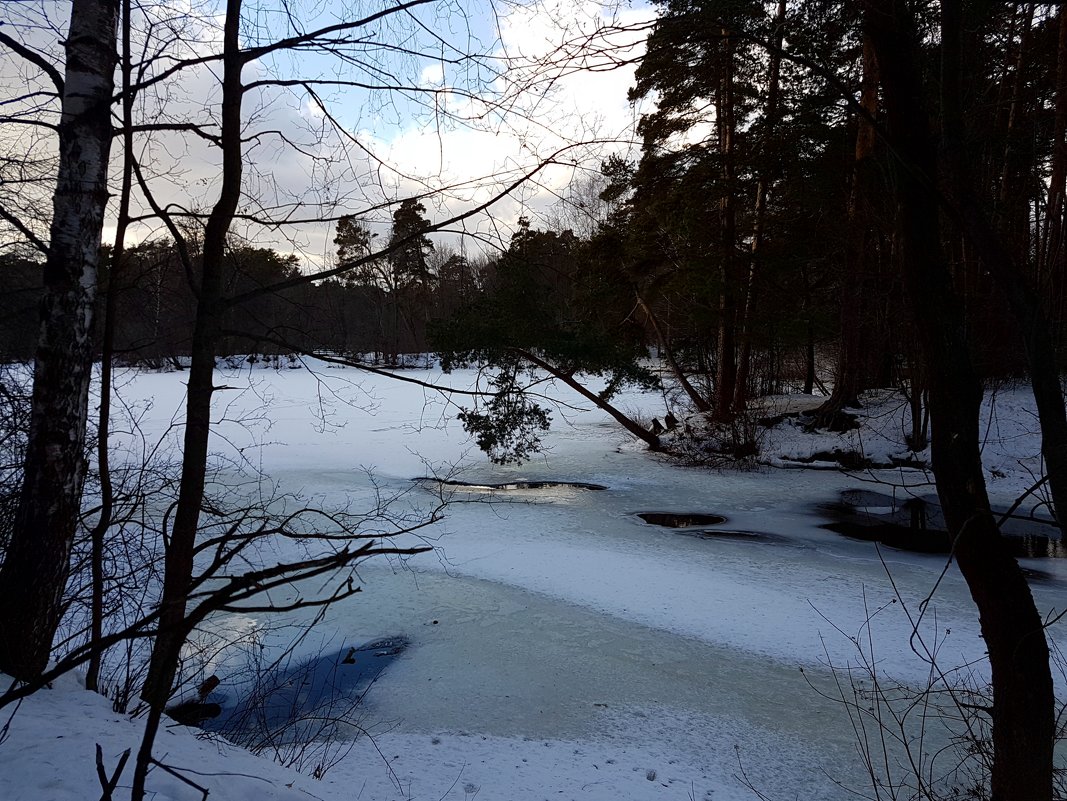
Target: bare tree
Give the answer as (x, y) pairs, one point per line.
(243, 48)
(245, 56)
(35, 569)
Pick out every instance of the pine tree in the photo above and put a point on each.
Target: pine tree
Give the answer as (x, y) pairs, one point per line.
(411, 283)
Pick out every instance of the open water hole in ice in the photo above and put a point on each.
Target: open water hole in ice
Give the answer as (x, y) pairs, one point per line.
(916, 523)
(561, 616)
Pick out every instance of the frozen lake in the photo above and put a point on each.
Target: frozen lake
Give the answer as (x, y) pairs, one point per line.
(560, 646)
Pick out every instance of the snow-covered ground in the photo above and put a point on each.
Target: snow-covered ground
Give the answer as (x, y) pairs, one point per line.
(560, 646)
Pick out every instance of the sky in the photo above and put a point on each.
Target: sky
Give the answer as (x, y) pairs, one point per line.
(486, 98)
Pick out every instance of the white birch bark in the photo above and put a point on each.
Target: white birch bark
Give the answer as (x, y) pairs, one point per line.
(36, 566)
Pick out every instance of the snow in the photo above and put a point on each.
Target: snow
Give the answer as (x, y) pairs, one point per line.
(49, 754)
(577, 652)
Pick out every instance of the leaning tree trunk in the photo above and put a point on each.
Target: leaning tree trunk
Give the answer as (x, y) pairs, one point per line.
(699, 402)
(1023, 700)
(35, 570)
(626, 422)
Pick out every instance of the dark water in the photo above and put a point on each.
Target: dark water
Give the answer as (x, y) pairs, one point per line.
(514, 485)
(681, 519)
(917, 524)
(301, 701)
(696, 524)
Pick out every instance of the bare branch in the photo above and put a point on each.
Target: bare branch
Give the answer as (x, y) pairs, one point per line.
(24, 230)
(295, 41)
(34, 58)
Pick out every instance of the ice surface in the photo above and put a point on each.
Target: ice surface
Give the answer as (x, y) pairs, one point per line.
(577, 650)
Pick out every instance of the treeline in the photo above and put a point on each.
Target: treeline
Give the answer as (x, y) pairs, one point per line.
(752, 244)
(378, 311)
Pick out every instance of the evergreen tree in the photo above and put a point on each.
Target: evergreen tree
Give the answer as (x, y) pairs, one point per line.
(707, 186)
(409, 261)
(411, 284)
(542, 311)
(353, 240)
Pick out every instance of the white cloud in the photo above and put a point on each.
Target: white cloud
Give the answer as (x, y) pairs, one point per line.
(485, 127)
(550, 102)
(432, 75)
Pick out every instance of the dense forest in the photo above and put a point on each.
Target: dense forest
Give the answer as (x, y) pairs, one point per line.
(753, 250)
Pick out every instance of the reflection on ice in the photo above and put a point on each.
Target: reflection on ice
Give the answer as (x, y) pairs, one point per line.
(916, 523)
(298, 700)
(691, 524)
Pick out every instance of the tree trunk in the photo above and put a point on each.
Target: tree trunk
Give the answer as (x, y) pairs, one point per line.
(726, 357)
(178, 569)
(1050, 268)
(1013, 208)
(809, 360)
(629, 424)
(851, 378)
(34, 574)
(767, 176)
(1023, 700)
(1022, 300)
(698, 400)
(107, 349)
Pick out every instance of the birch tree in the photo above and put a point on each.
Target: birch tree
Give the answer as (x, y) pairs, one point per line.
(35, 569)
